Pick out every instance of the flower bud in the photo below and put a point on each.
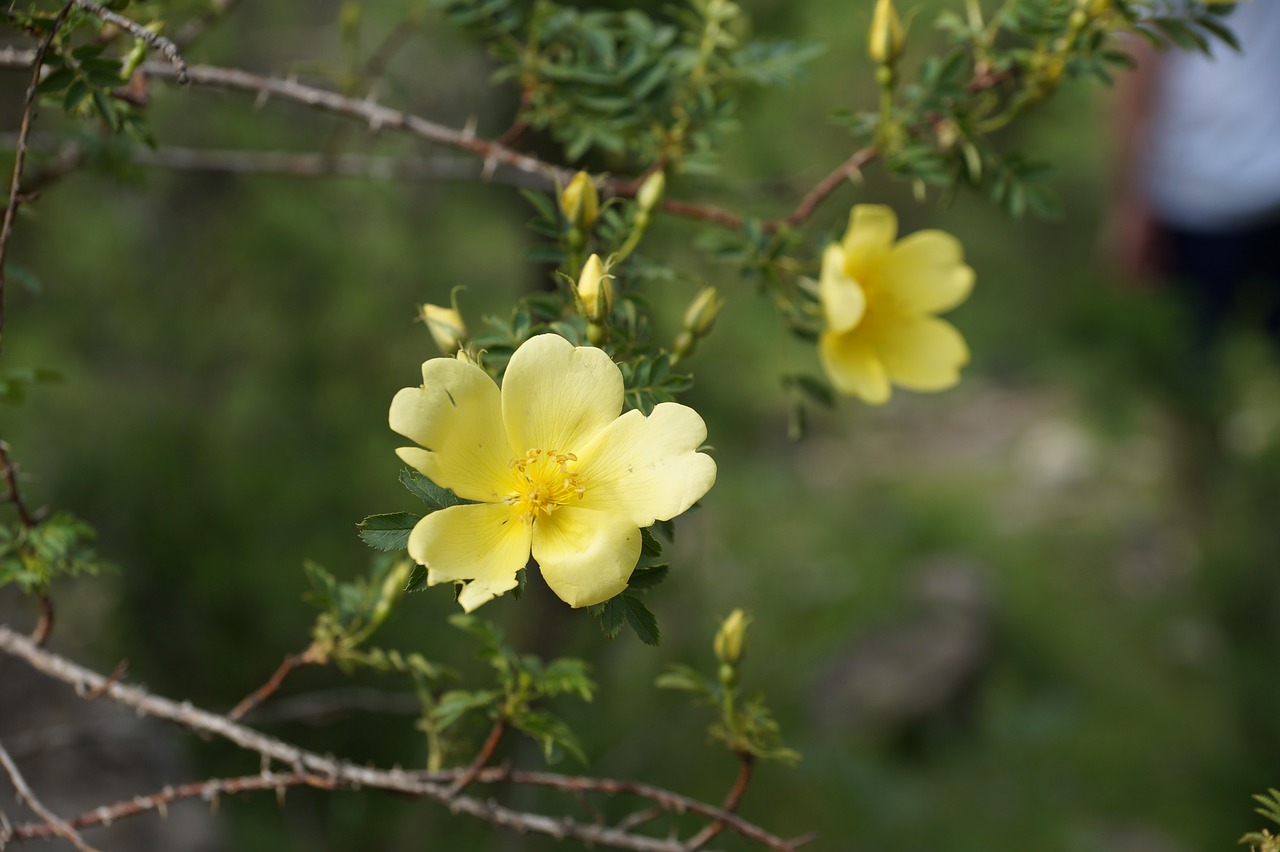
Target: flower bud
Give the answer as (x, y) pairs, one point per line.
(595, 288)
(730, 641)
(702, 312)
(580, 202)
(885, 39)
(650, 194)
(446, 327)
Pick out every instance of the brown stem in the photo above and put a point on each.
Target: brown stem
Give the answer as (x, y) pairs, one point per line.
(311, 656)
(485, 754)
(44, 626)
(54, 823)
(702, 838)
(845, 171)
(346, 774)
(20, 151)
(167, 48)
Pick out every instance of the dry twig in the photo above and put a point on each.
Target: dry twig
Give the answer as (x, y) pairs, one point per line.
(55, 823)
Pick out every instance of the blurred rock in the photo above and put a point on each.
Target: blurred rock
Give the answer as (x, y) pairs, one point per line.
(901, 681)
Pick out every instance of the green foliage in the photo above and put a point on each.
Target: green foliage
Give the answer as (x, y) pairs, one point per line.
(16, 384)
(34, 557)
(627, 607)
(523, 679)
(624, 84)
(351, 612)
(1264, 840)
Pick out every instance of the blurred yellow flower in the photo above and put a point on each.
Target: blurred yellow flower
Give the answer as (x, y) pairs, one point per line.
(885, 37)
(552, 467)
(580, 202)
(878, 300)
(595, 289)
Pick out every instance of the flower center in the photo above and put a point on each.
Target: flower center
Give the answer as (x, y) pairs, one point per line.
(544, 483)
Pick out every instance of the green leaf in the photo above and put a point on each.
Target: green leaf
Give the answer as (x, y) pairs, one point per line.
(649, 546)
(643, 579)
(455, 704)
(686, 678)
(417, 579)
(641, 620)
(611, 614)
(428, 492)
(388, 532)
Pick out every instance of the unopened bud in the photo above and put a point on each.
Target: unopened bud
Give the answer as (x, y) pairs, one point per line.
(446, 327)
(730, 641)
(885, 39)
(595, 289)
(580, 202)
(702, 312)
(650, 194)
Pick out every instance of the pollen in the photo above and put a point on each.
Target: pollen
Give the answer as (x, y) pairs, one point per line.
(544, 480)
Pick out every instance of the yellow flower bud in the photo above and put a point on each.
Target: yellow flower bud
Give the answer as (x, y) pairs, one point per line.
(730, 641)
(885, 39)
(702, 312)
(650, 194)
(580, 202)
(446, 327)
(595, 288)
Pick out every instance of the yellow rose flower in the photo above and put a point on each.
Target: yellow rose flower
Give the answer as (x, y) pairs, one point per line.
(554, 469)
(879, 298)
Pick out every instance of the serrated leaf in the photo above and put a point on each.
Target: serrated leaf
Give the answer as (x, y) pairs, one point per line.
(611, 614)
(427, 491)
(643, 579)
(389, 531)
(641, 620)
(417, 579)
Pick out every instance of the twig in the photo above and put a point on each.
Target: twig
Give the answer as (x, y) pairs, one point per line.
(543, 175)
(702, 838)
(9, 470)
(20, 150)
(56, 824)
(482, 757)
(207, 790)
(346, 774)
(167, 48)
(262, 693)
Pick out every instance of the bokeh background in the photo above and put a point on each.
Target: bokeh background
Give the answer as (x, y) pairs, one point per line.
(1035, 612)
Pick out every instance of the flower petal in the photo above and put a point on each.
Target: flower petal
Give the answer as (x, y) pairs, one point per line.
(456, 416)
(843, 302)
(927, 273)
(853, 367)
(647, 468)
(555, 396)
(486, 543)
(872, 229)
(586, 556)
(921, 353)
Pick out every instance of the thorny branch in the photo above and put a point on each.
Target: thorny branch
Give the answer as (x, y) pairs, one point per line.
(36, 64)
(544, 175)
(54, 823)
(344, 774)
(262, 693)
(167, 48)
(745, 762)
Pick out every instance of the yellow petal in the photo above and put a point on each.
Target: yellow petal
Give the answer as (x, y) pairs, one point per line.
(922, 353)
(927, 273)
(556, 396)
(872, 229)
(843, 302)
(853, 367)
(647, 468)
(485, 543)
(456, 416)
(586, 556)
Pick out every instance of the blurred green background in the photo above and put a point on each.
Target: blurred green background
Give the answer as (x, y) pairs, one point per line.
(1027, 613)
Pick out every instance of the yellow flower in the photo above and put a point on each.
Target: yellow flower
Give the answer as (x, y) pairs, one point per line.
(878, 299)
(553, 468)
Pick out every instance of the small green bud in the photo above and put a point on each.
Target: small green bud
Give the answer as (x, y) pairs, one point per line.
(580, 202)
(885, 38)
(651, 191)
(730, 641)
(595, 289)
(446, 327)
(702, 312)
